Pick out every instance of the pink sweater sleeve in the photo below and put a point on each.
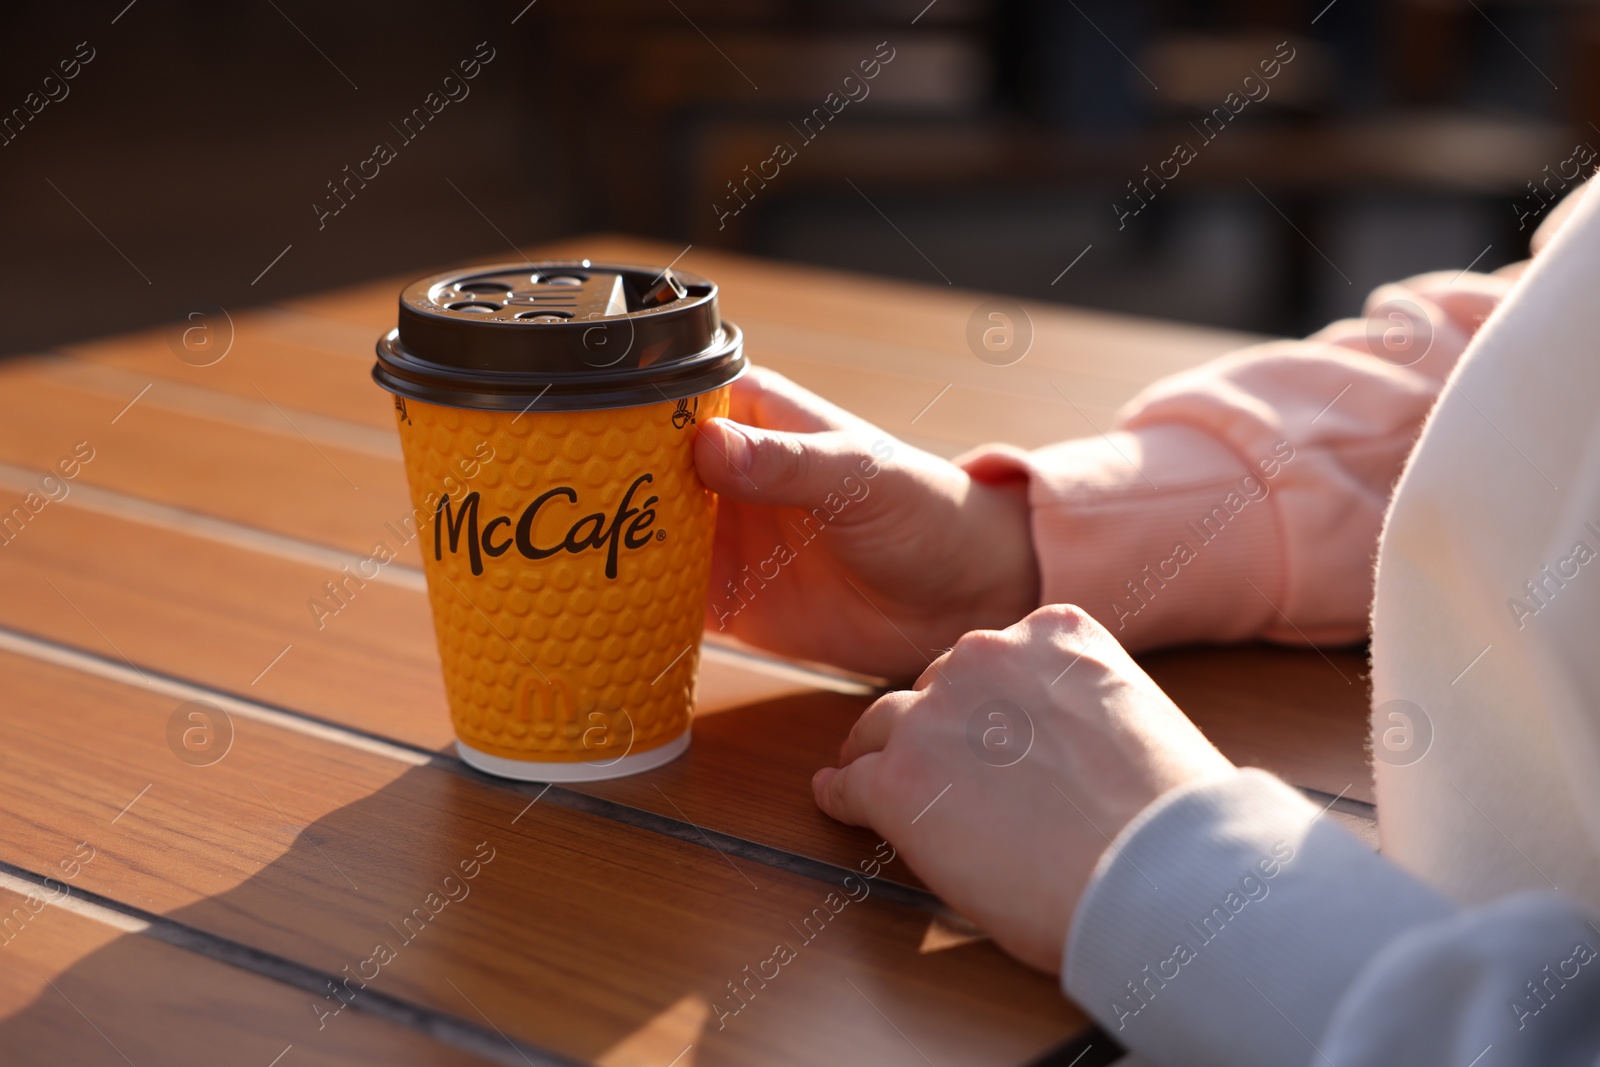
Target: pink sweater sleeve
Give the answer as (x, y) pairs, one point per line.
(1244, 498)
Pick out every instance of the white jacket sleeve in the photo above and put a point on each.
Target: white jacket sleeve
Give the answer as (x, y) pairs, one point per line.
(1231, 924)
(1514, 983)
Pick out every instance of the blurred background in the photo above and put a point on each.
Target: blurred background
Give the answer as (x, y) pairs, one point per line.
(206, 153)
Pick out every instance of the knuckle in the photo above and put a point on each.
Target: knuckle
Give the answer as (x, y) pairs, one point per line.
(980, 643)
(891, 704)
(882, 715)
(1063, 614)
(974, 649)
(1066, 619)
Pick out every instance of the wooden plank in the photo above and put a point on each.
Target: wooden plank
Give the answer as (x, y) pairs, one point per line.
(858, 309)
(574, 933)
(325, 483)
(370, 305)
(268, 458)
(887, 385)
(222, 616)
(599, 940)
(1081, 374)
(277, 414)
(1094, 362)
(1299, 713)
(946, 417)
(165, 469)
(238, 621)
(345, 479)
(77, 990)
(883, 348)
(854, 319)
(315, 365)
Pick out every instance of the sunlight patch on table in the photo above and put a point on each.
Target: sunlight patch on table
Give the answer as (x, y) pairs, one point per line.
(666, 1039)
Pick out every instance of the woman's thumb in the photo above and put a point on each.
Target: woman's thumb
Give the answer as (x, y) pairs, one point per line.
(757, 466)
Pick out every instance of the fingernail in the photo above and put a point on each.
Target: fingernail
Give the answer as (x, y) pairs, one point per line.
(736, 446)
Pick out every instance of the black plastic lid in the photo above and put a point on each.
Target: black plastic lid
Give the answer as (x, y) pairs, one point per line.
(563, 335)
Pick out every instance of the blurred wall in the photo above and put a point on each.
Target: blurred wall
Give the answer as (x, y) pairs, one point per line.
(195, 146)
(1250, 164)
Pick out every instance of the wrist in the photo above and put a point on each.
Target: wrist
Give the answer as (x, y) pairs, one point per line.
(999, 527)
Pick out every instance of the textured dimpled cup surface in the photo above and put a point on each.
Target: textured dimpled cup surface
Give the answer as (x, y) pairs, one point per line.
(567, 537)
(574, 637)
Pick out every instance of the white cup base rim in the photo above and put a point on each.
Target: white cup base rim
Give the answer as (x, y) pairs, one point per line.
(597, 771)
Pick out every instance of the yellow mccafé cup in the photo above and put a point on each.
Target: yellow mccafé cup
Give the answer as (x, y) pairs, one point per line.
(547, 413)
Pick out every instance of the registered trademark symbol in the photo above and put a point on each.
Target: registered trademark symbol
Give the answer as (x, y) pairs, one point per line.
(661, 535)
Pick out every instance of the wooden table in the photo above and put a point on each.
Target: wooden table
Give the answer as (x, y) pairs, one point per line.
(287, 903)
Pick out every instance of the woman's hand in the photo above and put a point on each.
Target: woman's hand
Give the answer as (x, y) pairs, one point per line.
(1005, 773)
(837, 543)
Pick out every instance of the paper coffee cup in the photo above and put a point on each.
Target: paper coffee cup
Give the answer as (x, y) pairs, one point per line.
(547, 415)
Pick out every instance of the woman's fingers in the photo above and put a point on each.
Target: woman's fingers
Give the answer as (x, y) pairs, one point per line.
(758, 466)
(766, 398)
(844, 793)
(871, 731)
(783, 445)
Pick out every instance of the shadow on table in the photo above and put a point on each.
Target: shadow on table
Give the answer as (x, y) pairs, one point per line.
(452, 904)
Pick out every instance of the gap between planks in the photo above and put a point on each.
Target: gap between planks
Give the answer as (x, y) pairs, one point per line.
(493, 1046)
(222, 531)
(562, 796)
(447, 1029)
(219, 406)
(118, 505)
(152, 680)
